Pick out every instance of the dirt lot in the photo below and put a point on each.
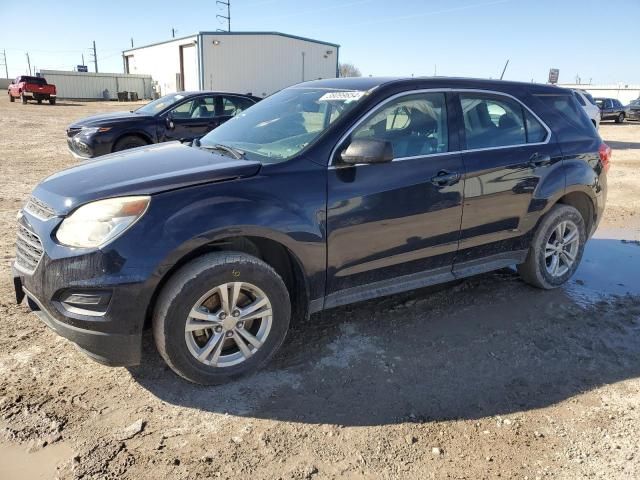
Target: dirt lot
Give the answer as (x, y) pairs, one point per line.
(487, 378)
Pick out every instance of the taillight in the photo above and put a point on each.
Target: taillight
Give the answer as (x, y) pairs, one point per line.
(605, 156)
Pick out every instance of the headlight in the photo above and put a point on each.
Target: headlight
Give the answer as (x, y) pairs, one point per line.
(92, 130)
(97, 223)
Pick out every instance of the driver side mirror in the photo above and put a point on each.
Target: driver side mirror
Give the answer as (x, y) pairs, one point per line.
(169, 121)
(367, 150)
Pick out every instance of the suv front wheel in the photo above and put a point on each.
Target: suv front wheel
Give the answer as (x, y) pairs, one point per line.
(556, 248)
(221, 316)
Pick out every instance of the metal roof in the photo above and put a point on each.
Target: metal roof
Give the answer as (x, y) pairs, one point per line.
(231, 34)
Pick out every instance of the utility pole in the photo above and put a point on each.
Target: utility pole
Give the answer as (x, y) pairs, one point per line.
(228, 17)
(131, 42)
(28, 62)
(95, 56)
(504, 69)
(83, 59)
(173, 33)
(4, 62)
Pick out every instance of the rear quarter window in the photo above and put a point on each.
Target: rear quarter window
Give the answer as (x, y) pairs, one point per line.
(570, 121)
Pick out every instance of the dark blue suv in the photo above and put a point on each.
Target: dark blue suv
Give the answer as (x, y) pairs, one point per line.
(326, 193)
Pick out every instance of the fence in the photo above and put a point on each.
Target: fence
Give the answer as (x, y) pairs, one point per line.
(87, 86)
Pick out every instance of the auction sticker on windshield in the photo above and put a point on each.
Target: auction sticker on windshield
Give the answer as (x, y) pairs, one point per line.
(341, 96)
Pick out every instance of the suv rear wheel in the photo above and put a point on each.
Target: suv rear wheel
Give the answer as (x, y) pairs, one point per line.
(221, 316)
(620, 118)
(556, 248)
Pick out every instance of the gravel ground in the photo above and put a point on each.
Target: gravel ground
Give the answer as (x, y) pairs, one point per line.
(484, 378)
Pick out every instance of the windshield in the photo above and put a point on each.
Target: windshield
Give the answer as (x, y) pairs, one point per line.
(160, 104)
(282, 125)
(589, 97)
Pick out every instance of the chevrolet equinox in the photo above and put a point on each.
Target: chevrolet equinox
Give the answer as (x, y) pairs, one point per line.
(326, 193)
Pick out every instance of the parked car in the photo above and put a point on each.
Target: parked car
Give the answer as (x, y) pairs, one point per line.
(180, 116)
(611, 109)
(323, 194)
(28, 88)
(589, 105)
(632, 111)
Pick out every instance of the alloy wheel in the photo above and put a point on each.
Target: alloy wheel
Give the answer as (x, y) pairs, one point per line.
(562, 248)
(228, 324)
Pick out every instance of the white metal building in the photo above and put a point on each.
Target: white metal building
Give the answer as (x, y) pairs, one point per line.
(621, 91)
(87, 85)
(260, 63)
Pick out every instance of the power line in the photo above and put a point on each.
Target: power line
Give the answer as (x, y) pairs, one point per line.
(228, 17)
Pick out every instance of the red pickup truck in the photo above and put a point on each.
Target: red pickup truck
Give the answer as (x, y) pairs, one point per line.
(31, 88)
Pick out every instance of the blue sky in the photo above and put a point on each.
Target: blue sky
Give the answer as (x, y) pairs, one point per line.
(594, 39)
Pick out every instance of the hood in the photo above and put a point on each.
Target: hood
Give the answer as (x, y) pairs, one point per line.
(108, 118)
(139, 171)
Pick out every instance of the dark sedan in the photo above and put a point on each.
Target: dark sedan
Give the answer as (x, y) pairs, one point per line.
(611, 109)
(633, 110)
(180, 116)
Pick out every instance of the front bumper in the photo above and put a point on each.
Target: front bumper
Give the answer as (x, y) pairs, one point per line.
(107, 348)
(79, 149)
(84, 146)
(62, 284)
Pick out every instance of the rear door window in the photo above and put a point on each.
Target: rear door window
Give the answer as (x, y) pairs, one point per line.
(492, 121)
(232, 106)
(579, 99)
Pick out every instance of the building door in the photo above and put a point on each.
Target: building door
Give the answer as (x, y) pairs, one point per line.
(189, 68)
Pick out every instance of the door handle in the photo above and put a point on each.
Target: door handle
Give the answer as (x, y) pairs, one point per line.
(445, 178)
(539, 160)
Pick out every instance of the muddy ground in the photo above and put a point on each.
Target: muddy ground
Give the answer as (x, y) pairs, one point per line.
(486, 378)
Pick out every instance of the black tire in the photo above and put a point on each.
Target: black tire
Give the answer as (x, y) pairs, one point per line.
(534, 269)
(130, 141)
(23, 98)
(52, 101)
(39, 102)
(620, 118)
(11, 98)
(188, 285)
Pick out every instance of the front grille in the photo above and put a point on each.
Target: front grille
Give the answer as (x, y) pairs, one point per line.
(29, 249)
(39, 209)
(71, 132)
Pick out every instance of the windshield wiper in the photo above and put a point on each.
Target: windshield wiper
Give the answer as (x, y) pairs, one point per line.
(235, 153)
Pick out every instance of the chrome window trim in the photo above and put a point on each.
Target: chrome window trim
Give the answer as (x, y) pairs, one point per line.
(452, 152)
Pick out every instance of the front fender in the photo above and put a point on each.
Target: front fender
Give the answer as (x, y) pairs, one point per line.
(287, 208)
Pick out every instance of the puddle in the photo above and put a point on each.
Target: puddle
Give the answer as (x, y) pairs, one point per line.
(17, 464)
(610, 266)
